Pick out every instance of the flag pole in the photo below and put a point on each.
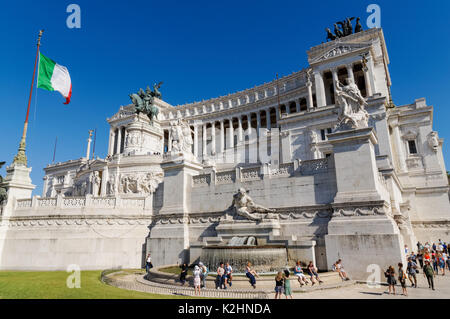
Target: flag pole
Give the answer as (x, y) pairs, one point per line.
(21, 158)
(54, 150)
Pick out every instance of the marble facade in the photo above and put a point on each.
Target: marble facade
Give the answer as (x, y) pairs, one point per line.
(359, 193)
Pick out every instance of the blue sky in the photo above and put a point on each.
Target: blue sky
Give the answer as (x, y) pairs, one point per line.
(200, 49)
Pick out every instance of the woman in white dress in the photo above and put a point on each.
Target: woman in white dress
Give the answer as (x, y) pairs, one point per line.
(197, 280)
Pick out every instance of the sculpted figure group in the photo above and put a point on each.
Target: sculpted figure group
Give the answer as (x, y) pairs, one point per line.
(139, 183)
(181, 136)
(143, 101)
(244, 206)
(352, 113)
(343, 28)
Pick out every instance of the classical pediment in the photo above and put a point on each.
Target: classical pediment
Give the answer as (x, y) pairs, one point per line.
(336, 50)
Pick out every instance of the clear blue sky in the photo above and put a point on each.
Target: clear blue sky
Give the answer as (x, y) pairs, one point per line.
(200, 49)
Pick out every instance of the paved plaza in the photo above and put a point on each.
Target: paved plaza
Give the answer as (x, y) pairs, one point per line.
(363, 291)
(329, 290)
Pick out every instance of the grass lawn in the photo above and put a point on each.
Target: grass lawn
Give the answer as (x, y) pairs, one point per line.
(52, 285)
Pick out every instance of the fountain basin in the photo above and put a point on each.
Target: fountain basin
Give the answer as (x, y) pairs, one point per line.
(264, 259)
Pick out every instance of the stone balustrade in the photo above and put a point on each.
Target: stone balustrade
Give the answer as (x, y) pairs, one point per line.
(88, 201)
(262, 171)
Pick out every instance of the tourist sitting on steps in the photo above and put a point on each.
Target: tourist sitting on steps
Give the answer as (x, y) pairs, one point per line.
(148, 263)
(251, 273)
(340, 269)
(312, 272)
(298, 271)
(220, 279)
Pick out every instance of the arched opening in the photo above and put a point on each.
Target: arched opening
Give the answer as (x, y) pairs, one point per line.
(292, 107)
(273, 117)
(303, 105)
(329, 87)
(360, 81)
(262, 115)
(342, 75)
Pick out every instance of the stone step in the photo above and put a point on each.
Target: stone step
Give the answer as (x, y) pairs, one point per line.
(264, 282)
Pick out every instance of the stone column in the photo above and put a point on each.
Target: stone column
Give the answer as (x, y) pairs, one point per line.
(368, 80)
(231, 134)
(288, 108)
(399, 146)
(105, 176)
(320, 89)
(111, 141)
(196, 141)
(335, 80)
(169, 142)
(240, 135)
(222, 137)
(258, 122)
(119, 140)
(297, 105)
(277, 114)
(213, 138)
(350, 72)
(309, 99)
(249, 125)
(204, 142)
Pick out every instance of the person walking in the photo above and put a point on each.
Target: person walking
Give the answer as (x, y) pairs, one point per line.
(279, 284)
(184, 270)
(251, 273)
(441, 262)
(420, 258)
(196, 274)
(203, 274)
(287, 284)
(428, 272)
(390, 275)
(411, 270)
(312, 272)
(298, 271)
(402, 278)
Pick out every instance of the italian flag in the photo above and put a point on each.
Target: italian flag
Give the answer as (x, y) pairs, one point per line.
(54, 77)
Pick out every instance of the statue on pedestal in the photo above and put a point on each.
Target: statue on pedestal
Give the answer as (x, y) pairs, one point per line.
(96, 180)
(181, 136)
(351, 103)
(3, 192)
(244, 206)
(143, 101)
